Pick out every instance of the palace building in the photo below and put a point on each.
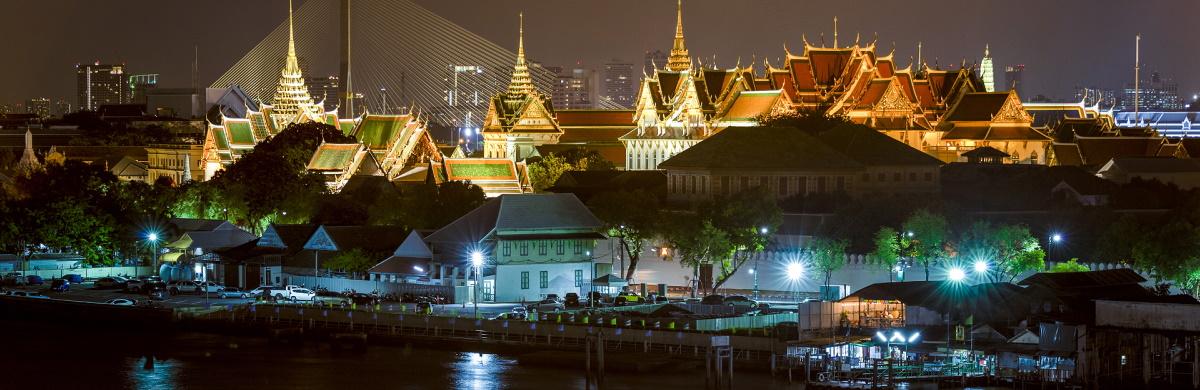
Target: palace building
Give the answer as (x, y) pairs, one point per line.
(520, 119)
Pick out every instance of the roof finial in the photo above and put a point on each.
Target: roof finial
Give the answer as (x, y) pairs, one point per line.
(987, 50)
(291, 32)
(835, 43)
(679, 60)
(521, 82)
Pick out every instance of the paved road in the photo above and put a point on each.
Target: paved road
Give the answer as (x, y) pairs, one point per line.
(87, 292)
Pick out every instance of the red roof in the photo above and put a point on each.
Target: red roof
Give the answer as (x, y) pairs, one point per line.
(595, 118)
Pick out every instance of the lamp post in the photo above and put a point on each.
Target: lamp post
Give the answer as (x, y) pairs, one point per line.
(153, 239)
(956, 276)
(754, 270)
(383, 92)
(477, 262)
(794, 272)
(1055, 239)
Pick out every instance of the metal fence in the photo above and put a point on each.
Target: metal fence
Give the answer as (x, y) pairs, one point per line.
(744, 322)
(88, 273)
(366, 286)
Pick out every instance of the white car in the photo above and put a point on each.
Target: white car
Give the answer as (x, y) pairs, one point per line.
(121, 302)
(210, 287)
(183, 287)
(258, 291)
(110, 282)
(234, 292)
(293, 293)
(26, 294)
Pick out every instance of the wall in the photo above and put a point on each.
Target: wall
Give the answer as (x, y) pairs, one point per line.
(98, 272)
(1155, 316)
(561, 280)
(367, 286)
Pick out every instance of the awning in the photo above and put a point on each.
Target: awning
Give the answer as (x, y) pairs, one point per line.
(171, 257)
(609, 280)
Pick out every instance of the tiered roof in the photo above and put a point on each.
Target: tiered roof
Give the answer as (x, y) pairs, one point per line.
(495, 176)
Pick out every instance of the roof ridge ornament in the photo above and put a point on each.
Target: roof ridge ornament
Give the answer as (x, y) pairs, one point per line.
(679, 60)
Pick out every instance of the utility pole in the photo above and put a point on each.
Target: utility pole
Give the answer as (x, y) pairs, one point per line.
(1137, 70)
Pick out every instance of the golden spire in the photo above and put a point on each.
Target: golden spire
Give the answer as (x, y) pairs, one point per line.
(521, 82)
(679, 60)
(835, 43)
(291, 96)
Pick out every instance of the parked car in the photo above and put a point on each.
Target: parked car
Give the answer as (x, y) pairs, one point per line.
(517, 313)
(554, 297)
(233, 292)
(60, 285)
(73, 278)
(326, 297)
(110, 282)
(34, 280)
(738, 300)
(293, 293)
(156, 290)
(715, 299)
(121, 302)
(363, 299)
(209, 287)
(572, 300)
(136, 285)
(26, 294)
(258, 291)
(626, 298)
(13, 279)
(183, 286)
(547, 305)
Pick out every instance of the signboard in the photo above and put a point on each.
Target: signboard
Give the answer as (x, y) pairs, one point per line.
(720, 341)
(960, 333)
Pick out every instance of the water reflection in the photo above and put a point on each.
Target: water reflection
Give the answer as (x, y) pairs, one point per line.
(149, 373)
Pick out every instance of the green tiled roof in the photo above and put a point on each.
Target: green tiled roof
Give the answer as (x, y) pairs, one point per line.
(331, 120)
(240, 132)
(461, 170)
(333, 157)
(219, 136)
(259, 123)
(347, 126)
(377, 130)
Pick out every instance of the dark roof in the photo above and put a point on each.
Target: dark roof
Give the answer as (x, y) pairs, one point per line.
(761, 148)
(1075, 280)
(874, 148)
(519, 214)
(294, 236)
(985, 152)
(192, 225)
(1157, 164)
(979, 106)
(367, 238)
(595, 118)
(401, 265)
(585, 179)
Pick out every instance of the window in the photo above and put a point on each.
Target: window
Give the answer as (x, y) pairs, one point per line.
(542, 248)
(762, 182)
(821, 185)
(882, 176)
(692, 184)
(524, 248)
(507, 248)
(802, 185)
(745, 183)
(783, 186)
(578, 278)
(928, 176)
(866, 177)
(725, 185)
(841, 183)
(912, 176)
(543, 279)
(703, 184)
(578, 246)
(561, 247)
(897, 176)
(524, 280)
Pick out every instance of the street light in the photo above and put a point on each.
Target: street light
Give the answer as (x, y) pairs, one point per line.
(794, 272)
(153, 238)
(477, 262)
(981, 267)
(956, 274)
(1056, 238)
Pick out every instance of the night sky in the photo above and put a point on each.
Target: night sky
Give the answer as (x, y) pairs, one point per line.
(1063, 43)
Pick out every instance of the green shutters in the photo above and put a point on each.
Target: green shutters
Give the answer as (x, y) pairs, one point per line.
(543, 279)
(578, 278)
(524, 280)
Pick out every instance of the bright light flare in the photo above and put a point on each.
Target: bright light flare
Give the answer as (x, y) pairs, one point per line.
(981, 267)
(476, 258)
(956, 274)
(795, 271)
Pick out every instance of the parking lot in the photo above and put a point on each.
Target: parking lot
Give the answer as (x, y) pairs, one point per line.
(86, 292)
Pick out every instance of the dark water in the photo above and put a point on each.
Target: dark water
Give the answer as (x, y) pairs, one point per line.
(78, 358)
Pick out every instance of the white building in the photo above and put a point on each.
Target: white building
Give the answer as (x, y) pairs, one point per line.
(532, 245)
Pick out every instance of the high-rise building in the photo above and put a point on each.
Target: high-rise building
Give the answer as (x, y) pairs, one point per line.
(99, 84)
(61, 107)
(39, 106)
(618, 83)
(574, 88)
(325, 89)
(466, 92)
(1012, 78)
(139, 85)
(1156, 94)
(987, 70)
(654, 59)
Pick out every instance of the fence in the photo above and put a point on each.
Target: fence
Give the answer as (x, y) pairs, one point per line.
(339, 284)
(743, 322)
(548, 331)
(96, 272)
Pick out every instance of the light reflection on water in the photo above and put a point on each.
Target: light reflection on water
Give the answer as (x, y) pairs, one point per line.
(160, 376)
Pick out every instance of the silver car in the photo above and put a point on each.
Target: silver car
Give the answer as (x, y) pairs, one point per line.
(233, 292)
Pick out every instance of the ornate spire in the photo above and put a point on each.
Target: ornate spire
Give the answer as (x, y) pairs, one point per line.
(521, 82)
(679, 60)
(29, 161)
(291, 96)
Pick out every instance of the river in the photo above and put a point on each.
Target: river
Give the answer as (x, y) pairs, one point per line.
(35, 356)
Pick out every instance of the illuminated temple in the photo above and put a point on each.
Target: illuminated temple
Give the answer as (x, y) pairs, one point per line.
(944, 113)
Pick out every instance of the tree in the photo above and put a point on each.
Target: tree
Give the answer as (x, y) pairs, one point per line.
(928, 236)
(828, 255)
(1070, 266)
(812, 121)
(696, 242)
(1172, 252)
(1017, 251)
(632, 217)
(544, 172)
(748, 219)
(355, 261)
(887, 249)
